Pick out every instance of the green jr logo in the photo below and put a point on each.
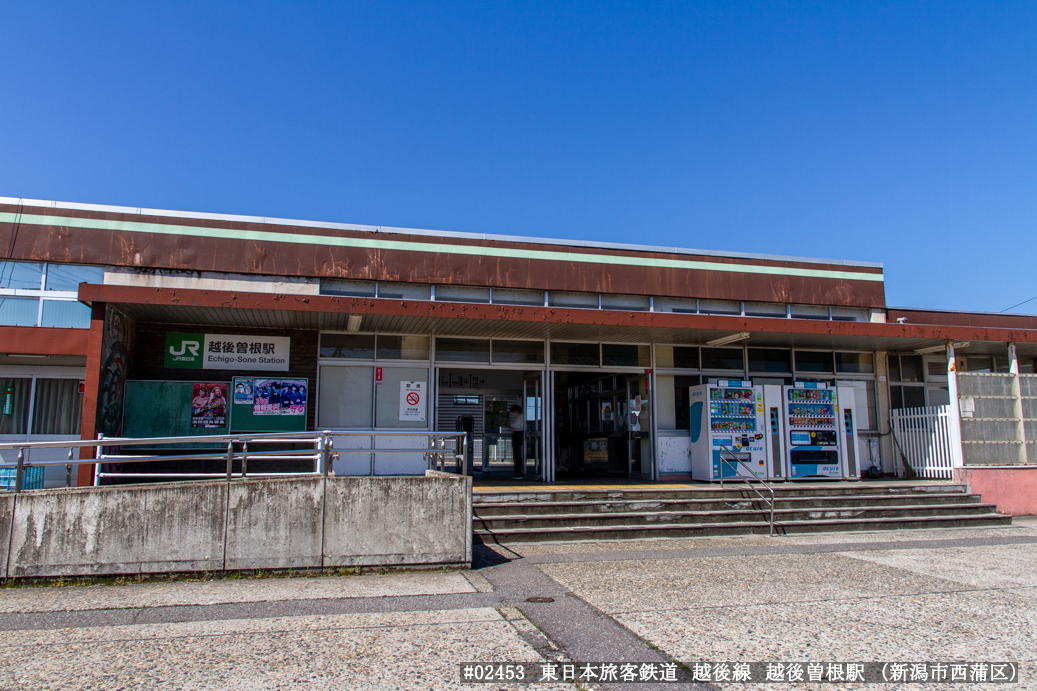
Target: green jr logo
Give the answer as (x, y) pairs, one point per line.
(184, 351)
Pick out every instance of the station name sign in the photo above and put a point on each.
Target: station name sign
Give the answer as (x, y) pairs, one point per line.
(226, 351)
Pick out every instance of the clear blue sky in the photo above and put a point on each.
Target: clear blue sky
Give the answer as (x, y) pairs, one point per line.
(903, 133)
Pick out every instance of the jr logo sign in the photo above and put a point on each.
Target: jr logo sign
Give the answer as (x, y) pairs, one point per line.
(184, 351)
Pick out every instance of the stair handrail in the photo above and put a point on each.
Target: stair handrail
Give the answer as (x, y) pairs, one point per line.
(735, 459)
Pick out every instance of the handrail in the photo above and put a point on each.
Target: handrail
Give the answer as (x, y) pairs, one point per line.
(746, 480)
(321, 454)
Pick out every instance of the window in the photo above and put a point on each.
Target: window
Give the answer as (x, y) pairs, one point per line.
(906, 378)
(66, 314)
(508, 296)
(404, 291)
(355, 346)
(346, 398)
(769, 360)
(855, 363)
(517, 351)
(765, 309)
(462, 350)
(23, 284)
(616, 355)
(723, 358)
(639, 303)
(402, 347)
(14, 405)
(69, 276)
(677, 357)
(680, 305)
(19, 311)
(682, 400)
(462, 294)
(850, 314)
(58, 407)
(21, 275)
(577, 300)
(814, 361)
(719, 307)
(358, 289)
(583, 354)
(809, 311)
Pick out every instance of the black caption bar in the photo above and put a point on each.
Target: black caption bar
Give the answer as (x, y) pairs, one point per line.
(746, 672)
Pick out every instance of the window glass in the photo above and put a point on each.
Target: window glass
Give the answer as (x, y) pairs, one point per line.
(575, 354)
(518, 351)
(462, 294)
(346, 397)
(936, 369)
(19, 311)
(622, 355)
(862, 363)
(719, 307)
(58, 407)
(682, 399)
(625, 302)
(894, 368)
(1001, 365)
(809, 311)
(404, 291)
(358, 289)
(24, 275)
(914, 396)
(765, 309)
(462, 350)
(403, 347)
(814, 361)
(65, 313)
(69, 276)
(896, 397)
(677, 356)
(387, 396)
(508, 296)
(850, 314)
(355, 346)
(14, 404)
(769, 360)
(978, 363)
(911, 368)
(579, 300)
(723, 358)
(680, 305)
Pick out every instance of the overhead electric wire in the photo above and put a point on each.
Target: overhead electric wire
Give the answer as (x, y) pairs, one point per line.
(1020, 304)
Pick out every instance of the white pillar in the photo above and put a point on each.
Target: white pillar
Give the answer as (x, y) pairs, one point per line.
(1017, 408)
(954, 419)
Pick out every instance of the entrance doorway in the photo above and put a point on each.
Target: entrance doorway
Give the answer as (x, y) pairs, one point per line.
(503, 413)
(602, 424)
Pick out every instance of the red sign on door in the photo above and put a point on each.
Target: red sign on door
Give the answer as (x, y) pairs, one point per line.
(378, 375)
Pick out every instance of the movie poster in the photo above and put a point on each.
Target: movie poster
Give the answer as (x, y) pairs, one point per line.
(209, 405)
(279, 397)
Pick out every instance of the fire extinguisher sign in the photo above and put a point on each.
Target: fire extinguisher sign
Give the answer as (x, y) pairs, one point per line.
(412, 401)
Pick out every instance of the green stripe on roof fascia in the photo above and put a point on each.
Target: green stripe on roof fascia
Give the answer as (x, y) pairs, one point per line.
(409, 246)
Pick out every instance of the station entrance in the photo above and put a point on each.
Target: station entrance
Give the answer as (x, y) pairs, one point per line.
(502, 411)
(602, 425)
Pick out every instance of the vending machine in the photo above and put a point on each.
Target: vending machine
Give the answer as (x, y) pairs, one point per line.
(812, 431)
(849, 441)
(727, 419)
(775, 431)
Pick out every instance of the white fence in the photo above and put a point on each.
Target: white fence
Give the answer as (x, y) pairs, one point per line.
(922, 436)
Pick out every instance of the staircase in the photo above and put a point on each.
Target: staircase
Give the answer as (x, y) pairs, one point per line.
(525, 514)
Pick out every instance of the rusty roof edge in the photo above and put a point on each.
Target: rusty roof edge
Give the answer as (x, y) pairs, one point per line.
(143, 211)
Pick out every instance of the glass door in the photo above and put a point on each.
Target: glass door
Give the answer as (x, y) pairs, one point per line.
(639, 426)
(534, 418)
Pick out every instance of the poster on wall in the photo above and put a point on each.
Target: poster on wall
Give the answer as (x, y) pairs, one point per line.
(412, 401)
(209, 405)
(243, 391)
(279, 396)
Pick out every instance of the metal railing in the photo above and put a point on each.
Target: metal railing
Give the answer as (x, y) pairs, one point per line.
(732, 461)
(232, 447)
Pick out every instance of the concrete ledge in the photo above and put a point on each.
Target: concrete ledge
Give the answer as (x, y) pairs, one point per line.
(1012, 489)
(279, 523)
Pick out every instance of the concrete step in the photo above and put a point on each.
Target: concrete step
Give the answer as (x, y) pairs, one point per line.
(787, 489)
(675, 530)
(621, 505)
(747, 514)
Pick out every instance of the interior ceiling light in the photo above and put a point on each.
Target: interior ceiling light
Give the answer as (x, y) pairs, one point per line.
(940, 348)
(733, 338)
(353, 324)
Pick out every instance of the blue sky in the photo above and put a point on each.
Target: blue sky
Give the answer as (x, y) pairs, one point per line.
(903, 133)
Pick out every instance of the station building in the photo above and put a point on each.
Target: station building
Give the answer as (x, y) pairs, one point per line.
(138, 322)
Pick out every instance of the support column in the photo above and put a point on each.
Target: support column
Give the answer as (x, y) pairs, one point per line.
(886, 458)
(954, 419)
(91, 388)
(1017, 408)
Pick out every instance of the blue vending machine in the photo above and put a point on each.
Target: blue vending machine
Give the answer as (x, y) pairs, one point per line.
(811, 419)
(727, 418)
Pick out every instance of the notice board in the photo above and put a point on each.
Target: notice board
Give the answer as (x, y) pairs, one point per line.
(268, 404)
(166, 408)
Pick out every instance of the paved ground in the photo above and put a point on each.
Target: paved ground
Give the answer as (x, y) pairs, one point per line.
(967, 594)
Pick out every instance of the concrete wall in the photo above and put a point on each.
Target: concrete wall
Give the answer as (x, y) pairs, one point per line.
(278, 523)
(1013, 490)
